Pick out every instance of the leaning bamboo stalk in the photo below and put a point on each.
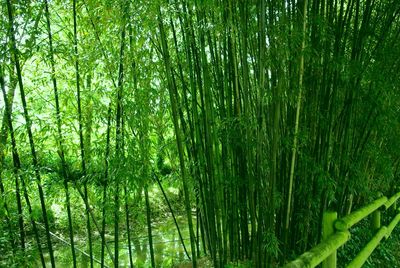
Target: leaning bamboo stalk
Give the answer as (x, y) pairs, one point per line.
(16, 170)
(178, 134)
(8, 98)
(28, 125)
(3, 136)
(173, 214)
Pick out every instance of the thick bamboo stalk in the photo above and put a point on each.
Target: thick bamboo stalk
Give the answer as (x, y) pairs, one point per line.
(376, 220)
(328, 230)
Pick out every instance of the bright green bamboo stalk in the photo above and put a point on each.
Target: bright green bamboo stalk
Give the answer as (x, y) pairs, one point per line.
(328, 230)
(296, 127)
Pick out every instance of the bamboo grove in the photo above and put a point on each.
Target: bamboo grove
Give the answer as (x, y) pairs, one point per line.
(266, 113)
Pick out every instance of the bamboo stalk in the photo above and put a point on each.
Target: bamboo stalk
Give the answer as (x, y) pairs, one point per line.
(81, 139)
(14, 52)
(60, 137)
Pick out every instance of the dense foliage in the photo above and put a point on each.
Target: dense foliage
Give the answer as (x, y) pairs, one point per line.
(262, 113)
